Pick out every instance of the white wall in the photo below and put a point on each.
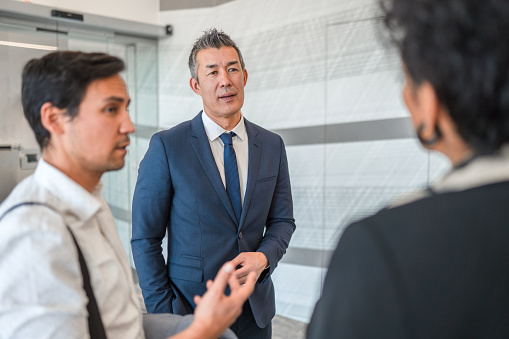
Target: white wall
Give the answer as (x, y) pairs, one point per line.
(274, 37)
(247, 17)
(145, 11)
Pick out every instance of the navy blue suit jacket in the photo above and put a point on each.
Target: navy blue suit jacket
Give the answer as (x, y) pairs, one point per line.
(179, 190)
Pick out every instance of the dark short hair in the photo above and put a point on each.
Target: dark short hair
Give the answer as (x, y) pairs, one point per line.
(461, 47)
(61, 78)
(211, 38)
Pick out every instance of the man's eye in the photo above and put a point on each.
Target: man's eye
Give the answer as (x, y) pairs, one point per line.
(213, 73)
(112, 110)
(232, 70)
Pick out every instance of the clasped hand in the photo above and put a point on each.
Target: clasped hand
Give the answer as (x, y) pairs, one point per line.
(249, 262)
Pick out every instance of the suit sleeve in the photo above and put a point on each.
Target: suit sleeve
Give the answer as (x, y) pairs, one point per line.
(361, 297)
(150, 217)
(280, 223)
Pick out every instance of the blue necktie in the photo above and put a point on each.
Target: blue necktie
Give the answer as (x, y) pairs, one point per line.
(231, 174)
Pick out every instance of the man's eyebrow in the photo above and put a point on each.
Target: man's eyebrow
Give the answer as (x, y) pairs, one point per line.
(228, 64)
(117, 99)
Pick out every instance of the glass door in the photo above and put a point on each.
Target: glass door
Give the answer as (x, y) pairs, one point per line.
(22, 40)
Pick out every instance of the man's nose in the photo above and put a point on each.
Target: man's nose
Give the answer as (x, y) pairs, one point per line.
(225, 79)
(126, 127)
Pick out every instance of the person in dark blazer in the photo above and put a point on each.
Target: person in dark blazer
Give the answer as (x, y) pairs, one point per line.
(219, 186)
(436, 265)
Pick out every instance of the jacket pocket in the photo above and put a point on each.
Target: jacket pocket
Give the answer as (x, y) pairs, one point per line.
(188, 273)
(191, 260)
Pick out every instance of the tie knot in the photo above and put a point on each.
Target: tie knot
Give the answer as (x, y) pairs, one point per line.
(227, 138)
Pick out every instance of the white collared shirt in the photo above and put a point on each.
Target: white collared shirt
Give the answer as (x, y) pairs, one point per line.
(240, 144)
(41, 285)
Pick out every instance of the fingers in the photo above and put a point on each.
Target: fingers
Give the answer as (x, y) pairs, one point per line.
(233, 282)
(243, 292)
(237, 260)
(219, 284)
(242, 280)
(221, 279)
(249, 286)
(251, 279)
(242, 272)
(209, 284)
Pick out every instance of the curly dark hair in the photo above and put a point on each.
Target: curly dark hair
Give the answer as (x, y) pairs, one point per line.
(61, 78)
(461, 47)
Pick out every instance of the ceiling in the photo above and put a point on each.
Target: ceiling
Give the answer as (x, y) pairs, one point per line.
(168, 5)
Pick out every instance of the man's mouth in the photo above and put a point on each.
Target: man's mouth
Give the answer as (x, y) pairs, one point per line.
(227, 97)
(123, 145)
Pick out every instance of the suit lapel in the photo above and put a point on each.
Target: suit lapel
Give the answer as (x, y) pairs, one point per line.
(255, 148)
(201, 147)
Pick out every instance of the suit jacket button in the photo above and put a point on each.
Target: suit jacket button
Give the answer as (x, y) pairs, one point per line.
(240, 235)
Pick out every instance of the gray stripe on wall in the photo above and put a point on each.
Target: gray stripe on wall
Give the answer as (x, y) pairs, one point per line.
(307, 257)
(120, 213)
(397, 128)
(142, 131)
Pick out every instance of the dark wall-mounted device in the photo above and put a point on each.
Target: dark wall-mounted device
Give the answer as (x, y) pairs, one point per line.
(169, 29)
(66, 15)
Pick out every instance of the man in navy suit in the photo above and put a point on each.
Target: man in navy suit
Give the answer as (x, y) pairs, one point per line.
(219, 185)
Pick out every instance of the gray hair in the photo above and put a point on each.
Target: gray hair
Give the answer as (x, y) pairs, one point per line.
(211, 38)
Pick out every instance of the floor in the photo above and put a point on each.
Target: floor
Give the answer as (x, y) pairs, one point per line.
(285, 328)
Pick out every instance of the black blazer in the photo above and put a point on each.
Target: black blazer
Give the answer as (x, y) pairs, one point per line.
(434, 268)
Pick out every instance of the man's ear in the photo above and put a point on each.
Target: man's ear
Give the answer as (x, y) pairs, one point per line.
(245, 77)
(195, 86)
(52, 118)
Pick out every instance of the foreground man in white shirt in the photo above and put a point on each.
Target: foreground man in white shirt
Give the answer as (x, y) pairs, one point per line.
(76, 103)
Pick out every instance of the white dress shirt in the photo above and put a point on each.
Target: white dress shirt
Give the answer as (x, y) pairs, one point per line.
(41, 285)
(240, 144)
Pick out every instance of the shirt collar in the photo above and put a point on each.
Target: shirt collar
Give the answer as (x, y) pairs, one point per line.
(213, 130)
(73, 198)
(479, 171)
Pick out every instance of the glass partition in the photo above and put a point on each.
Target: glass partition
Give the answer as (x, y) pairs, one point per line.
(22, 40)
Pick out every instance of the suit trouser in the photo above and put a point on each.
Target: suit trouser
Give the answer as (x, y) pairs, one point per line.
(245, 326)
(164, 325)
